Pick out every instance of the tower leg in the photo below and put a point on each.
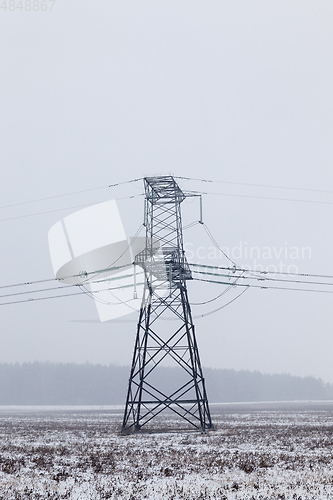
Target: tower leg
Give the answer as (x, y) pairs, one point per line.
(145, 399)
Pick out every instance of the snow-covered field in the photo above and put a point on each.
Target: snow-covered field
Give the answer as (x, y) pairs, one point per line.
(256, 451)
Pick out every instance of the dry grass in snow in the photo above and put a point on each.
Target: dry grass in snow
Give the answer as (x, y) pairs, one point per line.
(254, 452)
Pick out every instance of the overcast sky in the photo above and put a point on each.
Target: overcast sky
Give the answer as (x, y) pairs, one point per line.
(96, 93)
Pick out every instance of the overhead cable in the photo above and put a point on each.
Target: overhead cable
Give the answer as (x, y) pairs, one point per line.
(65, 208)
(235, 284)
(129, 245)
(256, 278)
(255, 185)
(222, 307)
(70, 194)
(213, 299)
(41, 290)
(191, 264)
(265, 287)
(36, 299)
(242, 269)
(216, 244)
(217, 296)
(269, 198)
(24, 283)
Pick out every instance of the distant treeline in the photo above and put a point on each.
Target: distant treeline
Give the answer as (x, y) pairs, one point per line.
(87, 384)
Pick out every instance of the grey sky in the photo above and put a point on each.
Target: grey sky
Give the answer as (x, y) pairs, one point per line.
(98, 93)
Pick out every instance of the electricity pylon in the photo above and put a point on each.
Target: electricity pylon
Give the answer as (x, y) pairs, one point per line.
(165, 298)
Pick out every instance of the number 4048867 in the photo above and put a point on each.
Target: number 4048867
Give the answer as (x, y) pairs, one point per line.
(33, 5)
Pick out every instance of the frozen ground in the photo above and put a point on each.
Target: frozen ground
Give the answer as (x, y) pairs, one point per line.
(256, 451)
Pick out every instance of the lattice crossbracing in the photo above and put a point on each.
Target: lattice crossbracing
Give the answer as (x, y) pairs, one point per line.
(165, 297)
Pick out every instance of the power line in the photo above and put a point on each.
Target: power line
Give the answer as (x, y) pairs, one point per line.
(255, 185)
(69, 194)
(258, 274)
(129, 245)
(265, 287)
(213, 299)
(191, 225)
(199, 316)
(97, 271)
(259, 197)
(110, 268)
(234, 269)
(204, 266)
(66, 208)
(41, 290)
(88, 292)
(217, 296)
(91, 293)
(301, 282)
(269, 198)
(222, 307)
(184, 178)
(178, 177)
(216, 244)
(36, 299)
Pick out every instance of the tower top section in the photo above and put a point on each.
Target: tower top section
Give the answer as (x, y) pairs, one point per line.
(163, 189)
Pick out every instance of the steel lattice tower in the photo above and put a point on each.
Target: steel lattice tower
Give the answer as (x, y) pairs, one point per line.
(165, 298)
